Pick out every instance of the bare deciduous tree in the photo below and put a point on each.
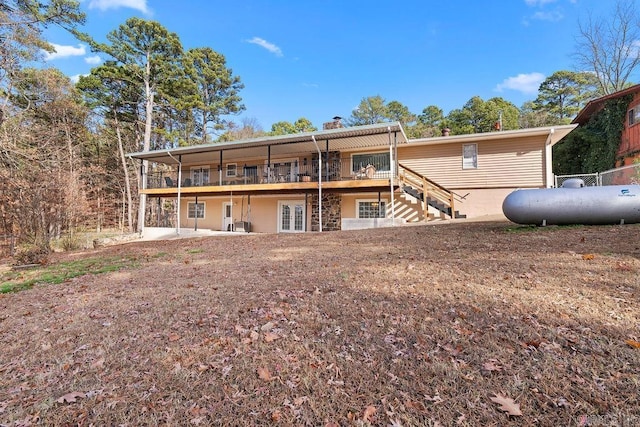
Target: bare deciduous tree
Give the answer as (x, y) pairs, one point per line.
(608, 46)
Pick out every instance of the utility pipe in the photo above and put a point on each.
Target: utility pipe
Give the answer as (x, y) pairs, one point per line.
(548, 159)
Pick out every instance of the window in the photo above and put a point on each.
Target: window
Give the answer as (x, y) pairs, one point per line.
(196, 210)
(469, 156)
(371, 208)
(379, 160)
(634, 115)
(200, 176)
(232, 168)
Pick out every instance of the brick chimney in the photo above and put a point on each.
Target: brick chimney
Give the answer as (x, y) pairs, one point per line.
(335, 124)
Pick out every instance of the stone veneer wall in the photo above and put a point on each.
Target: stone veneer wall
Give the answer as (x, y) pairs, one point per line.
(331, 212)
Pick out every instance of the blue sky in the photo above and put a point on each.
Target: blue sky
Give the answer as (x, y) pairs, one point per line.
(318, 59)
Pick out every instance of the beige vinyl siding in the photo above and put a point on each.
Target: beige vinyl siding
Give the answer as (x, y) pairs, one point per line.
(500, 163)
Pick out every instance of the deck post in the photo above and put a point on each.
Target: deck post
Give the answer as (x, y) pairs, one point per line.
(391, 172)
(319, 183)
(179, 190)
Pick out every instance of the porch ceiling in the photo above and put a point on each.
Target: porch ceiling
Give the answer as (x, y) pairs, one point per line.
(352, 138)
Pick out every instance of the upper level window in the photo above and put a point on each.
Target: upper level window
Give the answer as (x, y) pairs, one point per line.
(200, 176)
(469, 156)
(634, 115)
(379, 160)
(232, 169)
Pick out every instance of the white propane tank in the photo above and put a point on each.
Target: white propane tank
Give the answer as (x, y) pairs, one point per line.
(574, 204)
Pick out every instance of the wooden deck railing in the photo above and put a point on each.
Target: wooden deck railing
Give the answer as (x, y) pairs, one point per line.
(428, 188)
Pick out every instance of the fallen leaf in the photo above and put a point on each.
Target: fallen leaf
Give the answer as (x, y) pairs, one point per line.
(632, 343)
(491, 366)
(418, 406)
(270, 336)
(98, 363)
(264, 374)
(174, 337)
(276, 415)
(588, 256)
(267, 326)
(507, 405)
(369, 411)
(71, 397)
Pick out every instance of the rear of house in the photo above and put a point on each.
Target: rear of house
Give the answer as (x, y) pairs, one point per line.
(342, 178)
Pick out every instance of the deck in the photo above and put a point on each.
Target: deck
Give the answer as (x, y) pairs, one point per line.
(340, 186)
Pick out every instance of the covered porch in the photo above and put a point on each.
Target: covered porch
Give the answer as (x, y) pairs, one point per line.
(360, 159)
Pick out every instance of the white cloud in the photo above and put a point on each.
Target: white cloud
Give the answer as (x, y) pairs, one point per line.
(553, 16)
(140, 5)
(267, 45)
(93, 60)
(61, 51)
(543, 15)
(525, 83)
(534, 3)
(76, 77)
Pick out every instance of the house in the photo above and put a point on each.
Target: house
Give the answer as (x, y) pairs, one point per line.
(629, 149)
(345, 178)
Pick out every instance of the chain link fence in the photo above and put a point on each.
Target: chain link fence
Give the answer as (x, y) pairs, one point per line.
(590, 179)
(619, 176)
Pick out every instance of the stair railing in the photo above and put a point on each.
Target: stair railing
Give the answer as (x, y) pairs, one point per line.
(408, 176)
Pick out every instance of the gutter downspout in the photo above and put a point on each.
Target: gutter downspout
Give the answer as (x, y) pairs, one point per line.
(179, 160)
(391, 171)
(549, 180)
(313, 138)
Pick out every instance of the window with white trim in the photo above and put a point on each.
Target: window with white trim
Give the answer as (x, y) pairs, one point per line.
(195, 210)
(200, 175)
(469, 156)
(379, 160)
(232, 169)
(634, 115)
(371, 208)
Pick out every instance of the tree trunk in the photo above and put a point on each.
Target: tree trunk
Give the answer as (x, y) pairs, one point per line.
(125, 169)
(147, 143)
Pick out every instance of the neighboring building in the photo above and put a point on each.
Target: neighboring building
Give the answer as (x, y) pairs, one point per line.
(629, 149)
(363, 176)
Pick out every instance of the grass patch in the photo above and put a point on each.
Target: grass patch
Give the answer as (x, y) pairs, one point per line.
(14, 281)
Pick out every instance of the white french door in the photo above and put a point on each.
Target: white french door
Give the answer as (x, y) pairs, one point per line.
(227, 216)
(291, 216)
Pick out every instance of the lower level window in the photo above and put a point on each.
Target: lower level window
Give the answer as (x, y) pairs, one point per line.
(196, 210)
(371, 208)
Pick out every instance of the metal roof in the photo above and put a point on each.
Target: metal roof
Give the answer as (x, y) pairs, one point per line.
(349, 138)
(556, 132)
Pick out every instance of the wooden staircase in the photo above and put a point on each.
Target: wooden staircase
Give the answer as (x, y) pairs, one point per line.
(430, 193)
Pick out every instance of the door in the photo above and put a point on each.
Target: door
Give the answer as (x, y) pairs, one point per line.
(291, 216)
(227, 216)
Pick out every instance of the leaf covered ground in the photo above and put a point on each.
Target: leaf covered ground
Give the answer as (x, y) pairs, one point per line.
(453, 324)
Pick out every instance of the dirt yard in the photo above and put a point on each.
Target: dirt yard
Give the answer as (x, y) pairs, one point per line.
(469, 324)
